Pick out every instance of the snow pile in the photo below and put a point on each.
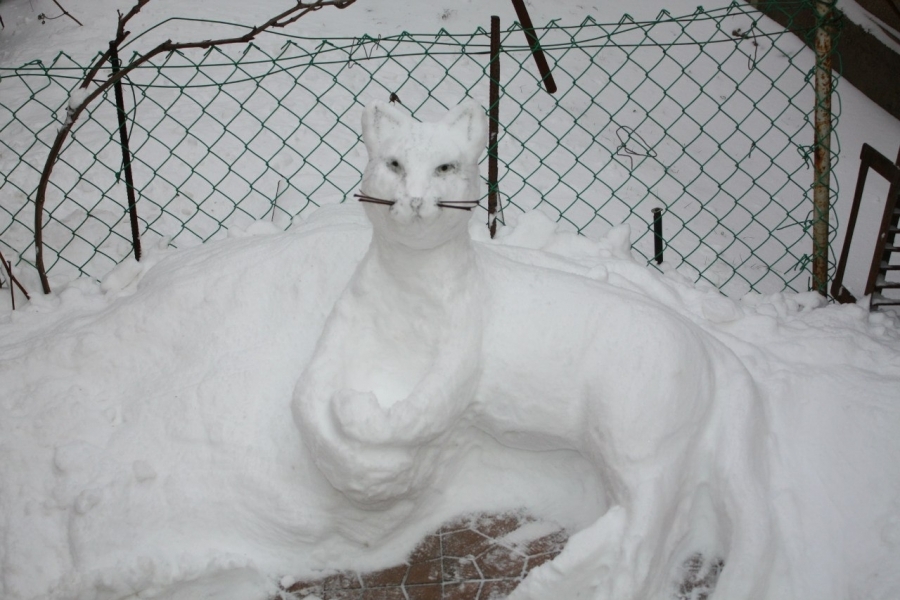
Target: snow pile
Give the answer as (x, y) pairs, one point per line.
(146, 436)
(147, 444)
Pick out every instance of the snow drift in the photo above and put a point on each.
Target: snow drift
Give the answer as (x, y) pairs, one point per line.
(147, 445)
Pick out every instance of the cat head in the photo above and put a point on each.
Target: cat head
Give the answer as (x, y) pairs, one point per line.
(417, 166)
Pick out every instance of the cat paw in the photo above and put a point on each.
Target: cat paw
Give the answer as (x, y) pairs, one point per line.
(374, 477)
(360, 417)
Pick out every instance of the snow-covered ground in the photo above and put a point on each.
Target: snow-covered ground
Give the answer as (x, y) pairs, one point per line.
(147, 447)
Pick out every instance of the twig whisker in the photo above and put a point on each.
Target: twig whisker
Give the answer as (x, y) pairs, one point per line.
(457, 204)
(364, 198)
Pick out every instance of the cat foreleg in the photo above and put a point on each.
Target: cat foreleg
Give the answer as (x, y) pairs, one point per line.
(434, 405)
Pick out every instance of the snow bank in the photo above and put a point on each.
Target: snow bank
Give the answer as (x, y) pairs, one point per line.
(146, 437)
(147, 444)
(146, 440)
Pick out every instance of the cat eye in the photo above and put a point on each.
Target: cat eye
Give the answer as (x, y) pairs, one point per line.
(394, 165)
(446, 168)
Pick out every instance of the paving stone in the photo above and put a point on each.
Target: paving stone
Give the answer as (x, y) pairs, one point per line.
(428, 549)
(460, 523)
(425, 592)
(498, 588)
(385, 593)
(474, 566)
(501, 563)
(497, 526)
(302, 589)
(393, 576)
(342, 581)
(549, 543)
(536, 561)
(343, 595)
(425, 572)
(460, 561)
(465, 542)
(694, 586)
(466, 590)
(460, 569)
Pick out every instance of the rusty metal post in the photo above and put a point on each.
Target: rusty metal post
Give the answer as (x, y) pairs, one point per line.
(822, 146)
(126, 153)
(493, 123)
(539, 59)
(657, 235)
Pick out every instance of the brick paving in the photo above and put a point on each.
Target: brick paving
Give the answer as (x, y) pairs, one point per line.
(694, 586)
(471, 558)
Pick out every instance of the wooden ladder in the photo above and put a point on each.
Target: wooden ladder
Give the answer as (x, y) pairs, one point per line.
(890, 245)
(887, 243)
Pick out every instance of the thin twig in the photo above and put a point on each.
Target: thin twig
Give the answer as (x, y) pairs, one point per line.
(457, 204)
(65, 12)
(121, 34)
(12, 290)
(12, 279)
(364, 198)
(279, 189)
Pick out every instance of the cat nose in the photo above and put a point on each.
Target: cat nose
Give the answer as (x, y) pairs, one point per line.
(416, 203)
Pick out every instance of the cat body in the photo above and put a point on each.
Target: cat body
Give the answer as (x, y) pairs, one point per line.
(397, 362)
(668, 417)
(665, 413)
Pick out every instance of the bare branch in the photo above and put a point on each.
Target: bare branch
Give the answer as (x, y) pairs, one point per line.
(7, 266)
(120, 31)
(67, 13)
(121, 34)
(287, 17)
(294, 18)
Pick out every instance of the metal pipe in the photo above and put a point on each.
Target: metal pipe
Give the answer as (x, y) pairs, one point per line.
(822, 146)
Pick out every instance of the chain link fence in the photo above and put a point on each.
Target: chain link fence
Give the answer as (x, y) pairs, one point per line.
(705, 116)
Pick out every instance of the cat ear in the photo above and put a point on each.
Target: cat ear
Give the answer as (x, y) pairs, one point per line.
(379, 122)
(469, 120)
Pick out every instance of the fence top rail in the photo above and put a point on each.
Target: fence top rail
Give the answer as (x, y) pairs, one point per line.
(353, 49)
(664, 16)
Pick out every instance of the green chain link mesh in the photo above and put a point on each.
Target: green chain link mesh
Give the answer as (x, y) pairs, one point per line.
(706, 116)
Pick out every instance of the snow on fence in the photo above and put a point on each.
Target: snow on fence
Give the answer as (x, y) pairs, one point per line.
(707, 117)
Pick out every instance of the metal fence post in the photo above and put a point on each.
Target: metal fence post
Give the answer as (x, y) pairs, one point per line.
(494, 120)
(126, 153)
(657, 235)
(535, 45)
(822, 146)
